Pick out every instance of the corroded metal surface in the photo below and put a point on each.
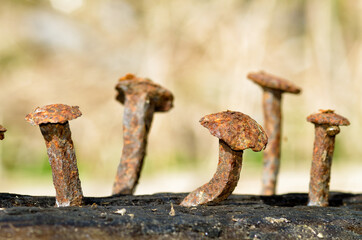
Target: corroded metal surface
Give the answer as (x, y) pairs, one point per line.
(321, 167)
(323, 154)
(2, 131)
(236, 132)
(273, 88)
(137, 119)
(328, 117)
(54, 113)
(223, 182)
(272, 124)
(161, 98)
(332, 130)
(267, 80)
(60, 151)
(141, 98)
(63, 161)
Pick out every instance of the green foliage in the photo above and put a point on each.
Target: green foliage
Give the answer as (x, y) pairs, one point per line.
(35, 169)
(254, 159)
(174, 162)
(26, 3)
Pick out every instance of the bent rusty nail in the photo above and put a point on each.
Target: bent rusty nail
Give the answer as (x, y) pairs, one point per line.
(236, 132)
(141, 98)
(2, 131)
(326, 128)
(273, 88)
(54, 126)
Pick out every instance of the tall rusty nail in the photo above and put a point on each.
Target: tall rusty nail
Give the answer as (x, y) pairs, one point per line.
(54, 126)
(2, 131)
(236, 132)
(141, 98)
(273, 88)
(326, 128)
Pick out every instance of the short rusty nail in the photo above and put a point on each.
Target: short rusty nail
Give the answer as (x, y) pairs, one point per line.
(273, 88)
(141, 98)
(54, 126)
(2, 131)
(326, 128)
(236, 132)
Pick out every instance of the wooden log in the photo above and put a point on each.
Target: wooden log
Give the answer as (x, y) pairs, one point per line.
(159, 216)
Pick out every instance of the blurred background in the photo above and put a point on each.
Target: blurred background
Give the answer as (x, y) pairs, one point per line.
(74, 52)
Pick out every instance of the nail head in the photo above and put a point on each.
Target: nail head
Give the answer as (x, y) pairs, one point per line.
(130, 84)
(54, 113)
(238, 130)
(328, 117)
(267, 80)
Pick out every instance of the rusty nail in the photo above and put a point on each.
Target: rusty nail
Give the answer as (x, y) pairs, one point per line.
(2, 131)
(54, 126)
(141, 98)
(236, 132)
(326, 128)
(273, 87)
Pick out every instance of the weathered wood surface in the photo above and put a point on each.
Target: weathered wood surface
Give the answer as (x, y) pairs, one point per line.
(151, 217)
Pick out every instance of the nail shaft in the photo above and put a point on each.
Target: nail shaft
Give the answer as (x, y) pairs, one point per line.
(137, 119)
(63, 162)
(320, 172)
(272, 125)
(223, 182)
